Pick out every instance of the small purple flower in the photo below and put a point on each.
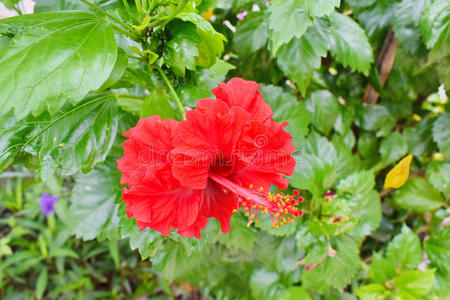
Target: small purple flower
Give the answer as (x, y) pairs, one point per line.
(47, 203)
(309, 267)
(241, 15)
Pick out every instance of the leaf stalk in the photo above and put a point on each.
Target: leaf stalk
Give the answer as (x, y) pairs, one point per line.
(172, 91)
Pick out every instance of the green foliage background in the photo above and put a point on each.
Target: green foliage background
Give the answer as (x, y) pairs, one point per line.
(74, 77)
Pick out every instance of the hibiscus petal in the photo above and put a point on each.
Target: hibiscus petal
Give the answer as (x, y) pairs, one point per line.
(266, 147)
(194, 229)
(217, 204)
(244, 94)
(153, 132)
(209, 133)
(159, 202)
(149, 144)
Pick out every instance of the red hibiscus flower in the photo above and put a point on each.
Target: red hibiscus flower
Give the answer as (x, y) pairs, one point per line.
(224, 156)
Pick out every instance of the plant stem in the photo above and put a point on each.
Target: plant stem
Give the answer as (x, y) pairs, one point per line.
(127, 7)
(163, 22)
(51, 223)
(19, 199)
(105, 13)
(152, 6)
(174, 94)
(144, 6)
(138, 7)
(136, 57)
(126, 32)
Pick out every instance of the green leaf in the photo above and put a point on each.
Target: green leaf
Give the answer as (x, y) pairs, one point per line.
(357, 192)
(276, 253)
(148, 242)
(381, 269)
(418, 195)
(349, 43)
(325, 109)
(287, 254)
(346, 163)
(313, 173)
(295, 293)
(11, 139)
(288, 19)
(94, 205)
(286, 108)
(434, 22)
(415, 283)
(367, 210)
(367, 144)
(192, 246)
(392, 148)
(357, 183)
(335, 271)
(441, 134)
(75, 139)
(315, 168)
(376, 118)
(212, 42)
(316, 252)
(251, 34)
(438, 174)
(318, 145)
(377, 19)
(181, 49)
(157, 103)
(180, 55)
(299, 58)
(372, 292)
(441, 289)
(265, 224)
(420, 138)
(9, 4)
(320, 8)
(113, 247)
(405, 24)
(63, 252)
(41, 283)
(360, 3)
(240, 236)
(438, 249)
(404, 251)
(204, 81)
(435, 28)
(263, 284)
(172, 264)
(53, 58)
(119, 69)
(130, 104)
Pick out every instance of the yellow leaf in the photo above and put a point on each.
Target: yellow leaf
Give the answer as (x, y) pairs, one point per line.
(399, 174)
(208, 14)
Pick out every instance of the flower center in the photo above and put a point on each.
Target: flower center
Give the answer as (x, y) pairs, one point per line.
(282, 208)
(222, 165)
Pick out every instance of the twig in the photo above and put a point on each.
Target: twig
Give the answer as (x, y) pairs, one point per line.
(385, 62)
(174, 94)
